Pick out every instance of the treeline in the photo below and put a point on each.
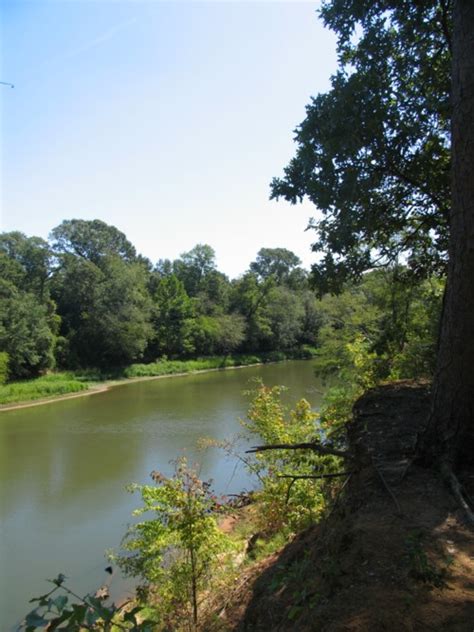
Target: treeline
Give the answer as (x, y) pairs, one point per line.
(87, 299)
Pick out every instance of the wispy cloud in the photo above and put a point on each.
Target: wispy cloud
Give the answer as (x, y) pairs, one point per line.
(100, 39)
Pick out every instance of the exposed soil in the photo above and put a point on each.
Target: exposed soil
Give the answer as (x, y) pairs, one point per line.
(395, 554)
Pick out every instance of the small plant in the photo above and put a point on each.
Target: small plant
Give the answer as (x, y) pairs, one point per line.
(176, 551)
(63, 609)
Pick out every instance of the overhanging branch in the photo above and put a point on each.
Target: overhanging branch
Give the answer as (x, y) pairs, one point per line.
(315, 447)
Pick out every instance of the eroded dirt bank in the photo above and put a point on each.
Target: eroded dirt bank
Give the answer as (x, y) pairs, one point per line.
(395, 554)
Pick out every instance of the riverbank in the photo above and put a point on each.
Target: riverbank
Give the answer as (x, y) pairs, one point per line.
(72, 384)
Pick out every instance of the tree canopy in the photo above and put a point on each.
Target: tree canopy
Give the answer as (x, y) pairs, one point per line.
(373, 153)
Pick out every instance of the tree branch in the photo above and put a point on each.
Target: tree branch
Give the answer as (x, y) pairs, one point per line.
(316, 447)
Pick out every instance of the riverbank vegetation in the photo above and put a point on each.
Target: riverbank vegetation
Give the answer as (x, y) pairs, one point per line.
(89, 308)
(86, 299)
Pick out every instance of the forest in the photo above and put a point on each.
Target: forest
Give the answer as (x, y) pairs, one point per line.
(87, 300)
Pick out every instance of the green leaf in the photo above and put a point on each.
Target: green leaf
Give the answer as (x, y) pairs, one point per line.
(35, 619)
(60, 602)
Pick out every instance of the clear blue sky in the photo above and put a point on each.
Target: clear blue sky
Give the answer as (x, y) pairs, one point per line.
(165, 119)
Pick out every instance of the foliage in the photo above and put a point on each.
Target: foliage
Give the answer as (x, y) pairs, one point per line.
(45, 386)
(170, 367)
(58, 611)
(91, 240)
(111, 308)
(384, 327)
(105, 310)
(218, 334)
(26, 332)
(178, 548)
(3, 367)
(287, 502)
(373, 154)
(172, 323)
(278, 263)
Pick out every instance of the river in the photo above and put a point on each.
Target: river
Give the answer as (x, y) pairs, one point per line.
(64, 467)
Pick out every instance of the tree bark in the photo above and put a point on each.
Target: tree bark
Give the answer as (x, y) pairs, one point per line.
(451, 431)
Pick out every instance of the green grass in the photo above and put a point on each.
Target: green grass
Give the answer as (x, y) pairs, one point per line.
(64, 382)
(46, 386)
(170, 367)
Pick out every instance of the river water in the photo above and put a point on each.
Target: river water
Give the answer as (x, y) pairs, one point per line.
(64, 467)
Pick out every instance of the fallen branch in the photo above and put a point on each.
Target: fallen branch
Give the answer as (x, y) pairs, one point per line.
(316, 447)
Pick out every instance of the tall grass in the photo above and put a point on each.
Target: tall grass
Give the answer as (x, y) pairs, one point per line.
(64, 382)
(171, 367)
(45, 386)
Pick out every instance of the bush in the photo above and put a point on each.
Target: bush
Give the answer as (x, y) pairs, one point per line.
(289, 501)
(46, 386)
(177, 550)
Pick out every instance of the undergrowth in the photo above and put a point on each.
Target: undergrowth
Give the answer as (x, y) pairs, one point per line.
(46, 386)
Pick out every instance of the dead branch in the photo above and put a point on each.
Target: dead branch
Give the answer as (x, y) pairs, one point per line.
(316, 447)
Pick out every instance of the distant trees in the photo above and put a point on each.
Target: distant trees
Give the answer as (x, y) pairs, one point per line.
(101, 292)
(28, 321)
(86, 299)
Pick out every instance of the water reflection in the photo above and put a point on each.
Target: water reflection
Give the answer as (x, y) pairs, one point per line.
(64, 468)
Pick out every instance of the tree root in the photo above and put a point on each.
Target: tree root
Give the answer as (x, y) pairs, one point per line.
(457, 490)
(389, 489)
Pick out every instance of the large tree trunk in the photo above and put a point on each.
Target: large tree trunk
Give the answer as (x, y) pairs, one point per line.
(452, 426)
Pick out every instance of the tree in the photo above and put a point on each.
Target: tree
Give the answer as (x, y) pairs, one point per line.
(92, 240)
(105, 310)
(179, 543)
(27, 332)
(276, 262)
(249, 298)
(29, 262)
(373, 154)
(285, 314)
(172, 319)
(28, 320)
(193, 267)
(452, 424)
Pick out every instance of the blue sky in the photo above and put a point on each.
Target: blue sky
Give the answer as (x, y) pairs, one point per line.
(165, 119)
